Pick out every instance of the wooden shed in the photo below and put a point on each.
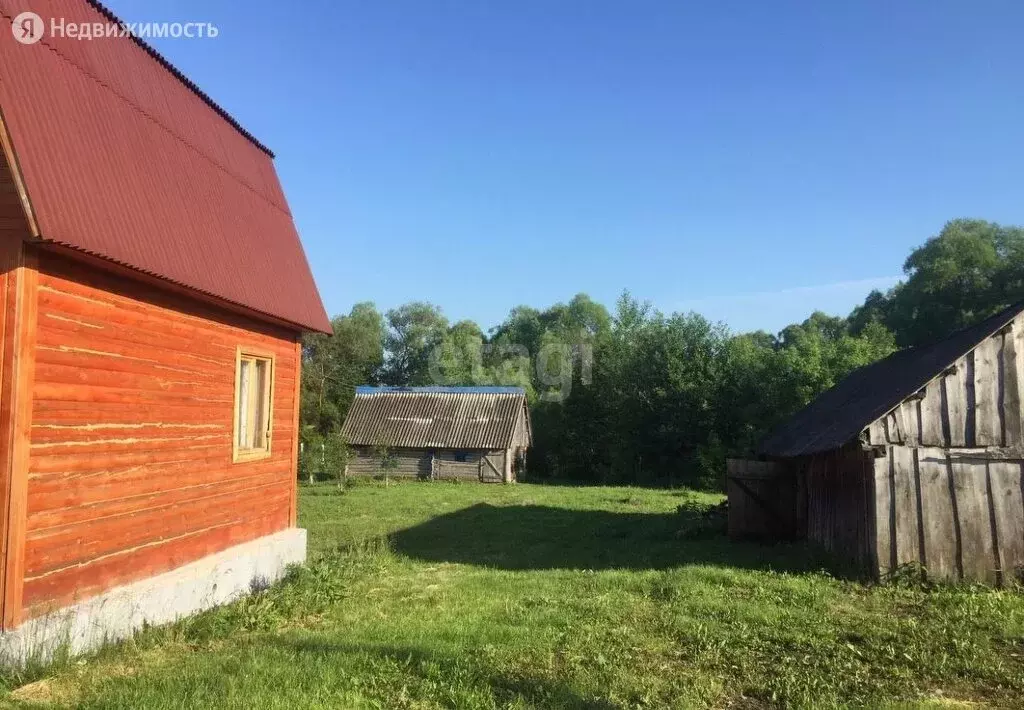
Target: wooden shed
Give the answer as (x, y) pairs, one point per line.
(916, 459)
(469, 433)
(153, 291)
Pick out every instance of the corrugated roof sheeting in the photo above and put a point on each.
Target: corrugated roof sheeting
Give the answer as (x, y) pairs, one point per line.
(434, 417)
(838, 415)
(123, 161)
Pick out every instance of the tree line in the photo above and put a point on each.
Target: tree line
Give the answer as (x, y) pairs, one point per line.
(634, 395)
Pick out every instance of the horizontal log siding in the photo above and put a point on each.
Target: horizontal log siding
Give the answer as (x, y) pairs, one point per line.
(130, 470)
(409, 463)
(422, 463)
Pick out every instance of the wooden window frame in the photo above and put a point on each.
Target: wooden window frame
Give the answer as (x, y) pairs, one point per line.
(238, 454)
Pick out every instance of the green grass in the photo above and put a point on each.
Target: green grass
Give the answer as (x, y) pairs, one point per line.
(440, 595)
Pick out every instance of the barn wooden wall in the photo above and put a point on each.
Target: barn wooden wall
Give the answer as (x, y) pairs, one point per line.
(948, 491)
(411, 463)
(416, 463)
(956, 513)
(130, 468)
(838, 510)
(975, 403)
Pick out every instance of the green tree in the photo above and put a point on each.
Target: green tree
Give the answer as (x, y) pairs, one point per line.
(414, 332)
(332, 366)
(967, 272)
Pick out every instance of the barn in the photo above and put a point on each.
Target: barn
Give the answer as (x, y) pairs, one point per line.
(468, 433)
(153, 291)
(913, 460)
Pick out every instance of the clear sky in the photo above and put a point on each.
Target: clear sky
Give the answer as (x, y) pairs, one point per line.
(752, 161)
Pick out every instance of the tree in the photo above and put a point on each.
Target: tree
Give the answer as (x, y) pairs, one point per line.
(386, 460)
(333, 366)
(970, 270)
(414, 331)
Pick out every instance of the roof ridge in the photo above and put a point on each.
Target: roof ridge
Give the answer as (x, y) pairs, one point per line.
(56, 50)
(924, 363)
(180, 76)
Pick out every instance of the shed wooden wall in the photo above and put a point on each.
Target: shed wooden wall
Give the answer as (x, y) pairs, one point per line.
(521, 433)
(764, 500)
(957, 513)
(974, 404)
(130, 468)
(438, 464)
(411, 463)
(949, 491)
(838, 514)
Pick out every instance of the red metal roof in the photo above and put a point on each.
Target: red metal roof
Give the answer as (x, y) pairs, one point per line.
(124, 159)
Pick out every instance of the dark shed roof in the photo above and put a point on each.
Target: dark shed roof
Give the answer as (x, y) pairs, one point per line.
(435, 417)
(838, 415)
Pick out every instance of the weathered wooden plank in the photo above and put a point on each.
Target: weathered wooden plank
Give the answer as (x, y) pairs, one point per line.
(1008, 515)
(883, 515)
(876, 433)
(894, 427)
(977, 555)
(987, 416)
(905, 505)
(954, 396)
(937, 521)
(909, 421)
(931, 415)
(1012, 356)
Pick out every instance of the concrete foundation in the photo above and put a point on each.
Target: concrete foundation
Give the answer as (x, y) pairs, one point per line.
(114, 615)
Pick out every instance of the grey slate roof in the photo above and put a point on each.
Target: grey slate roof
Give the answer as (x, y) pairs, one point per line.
(838, 415)
(435, 417)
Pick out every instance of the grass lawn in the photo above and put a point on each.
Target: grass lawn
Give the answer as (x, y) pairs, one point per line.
(470, 596)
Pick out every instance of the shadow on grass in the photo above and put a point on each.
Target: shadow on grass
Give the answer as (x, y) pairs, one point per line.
(452, 677)
(534, 537)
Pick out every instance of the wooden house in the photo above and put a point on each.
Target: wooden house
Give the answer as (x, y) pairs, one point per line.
(469, 433)
(913, 460)
(153, 291)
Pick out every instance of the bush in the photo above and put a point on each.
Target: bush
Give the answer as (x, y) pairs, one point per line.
(323, 457)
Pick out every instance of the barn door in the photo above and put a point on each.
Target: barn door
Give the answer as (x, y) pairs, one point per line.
(491, 467)
(762, 500)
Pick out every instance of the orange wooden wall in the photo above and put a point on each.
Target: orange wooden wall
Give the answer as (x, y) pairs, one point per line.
(16, 281)
(130, 467)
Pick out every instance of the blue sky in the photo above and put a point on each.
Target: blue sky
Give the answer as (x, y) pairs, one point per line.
(751, 161)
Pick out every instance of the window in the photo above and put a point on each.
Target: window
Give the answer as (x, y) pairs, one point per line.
(254, 387)
(462, 456)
